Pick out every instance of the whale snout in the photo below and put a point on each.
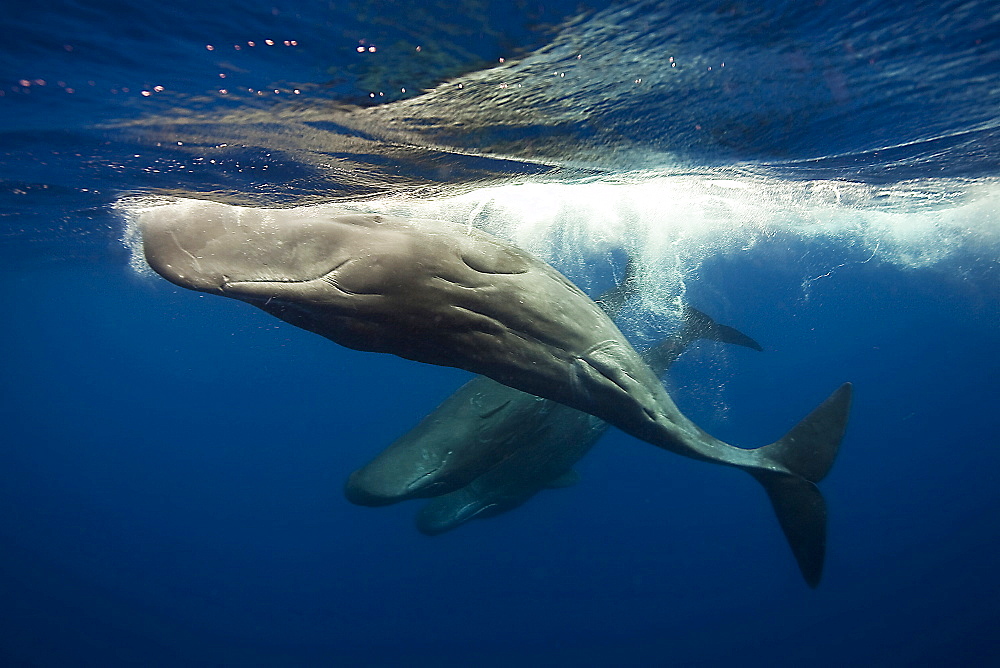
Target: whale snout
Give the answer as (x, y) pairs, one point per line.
(205, 246)
(180, 245)
(367, 490)
(377, 487)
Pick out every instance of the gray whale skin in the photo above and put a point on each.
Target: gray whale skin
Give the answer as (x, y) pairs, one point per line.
(446, 294)
(552, 439)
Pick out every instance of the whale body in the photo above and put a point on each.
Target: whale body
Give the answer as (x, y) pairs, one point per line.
(452, 295)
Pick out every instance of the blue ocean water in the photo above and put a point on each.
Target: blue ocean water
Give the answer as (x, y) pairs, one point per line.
(822, 176)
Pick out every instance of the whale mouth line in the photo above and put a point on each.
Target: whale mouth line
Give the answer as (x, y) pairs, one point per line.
(464, 514)
(227, 282)
(416, 483)
(258, 281)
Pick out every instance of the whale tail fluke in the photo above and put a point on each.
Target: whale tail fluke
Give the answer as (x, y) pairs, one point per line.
(695, 325)
(806, 453)
(801, 512)
(698, 325)
(808, 450)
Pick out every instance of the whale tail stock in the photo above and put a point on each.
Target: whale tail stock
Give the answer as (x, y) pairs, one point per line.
(806, 453)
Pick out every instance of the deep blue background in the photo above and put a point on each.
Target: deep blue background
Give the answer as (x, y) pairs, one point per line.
(171, 464)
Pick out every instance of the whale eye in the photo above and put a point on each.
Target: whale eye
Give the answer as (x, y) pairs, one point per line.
(494, 259)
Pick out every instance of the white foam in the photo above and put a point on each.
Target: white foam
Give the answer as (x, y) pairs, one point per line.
(131, 209)
(672, 224)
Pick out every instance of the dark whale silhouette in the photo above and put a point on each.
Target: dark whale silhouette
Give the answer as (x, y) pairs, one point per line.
(487, 449)
(479, 426)
(452, 295)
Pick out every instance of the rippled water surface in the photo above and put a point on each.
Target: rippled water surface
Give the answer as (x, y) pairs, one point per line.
(822, 176)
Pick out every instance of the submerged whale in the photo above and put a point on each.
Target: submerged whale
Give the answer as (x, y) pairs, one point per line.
(545, 455)
(487, 449)
(476, 428)
(452, 295)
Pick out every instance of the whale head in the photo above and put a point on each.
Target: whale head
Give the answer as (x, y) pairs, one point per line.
(213, 247)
